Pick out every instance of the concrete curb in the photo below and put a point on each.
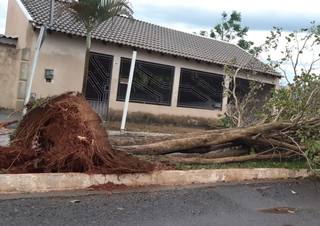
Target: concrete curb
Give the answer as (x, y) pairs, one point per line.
(20, 183)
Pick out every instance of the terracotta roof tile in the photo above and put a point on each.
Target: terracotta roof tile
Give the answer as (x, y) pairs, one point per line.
(9, 36)
(8, 39)
(143, 35)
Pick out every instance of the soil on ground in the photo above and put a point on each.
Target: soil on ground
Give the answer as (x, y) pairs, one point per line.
(163, 129)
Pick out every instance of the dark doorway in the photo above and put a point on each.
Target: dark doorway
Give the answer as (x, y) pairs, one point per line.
(98, 84)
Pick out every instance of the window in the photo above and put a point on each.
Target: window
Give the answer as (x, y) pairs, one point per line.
(152, 83)
(243, 88)
(200, 90)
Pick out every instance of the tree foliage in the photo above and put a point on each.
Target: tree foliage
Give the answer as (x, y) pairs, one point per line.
(299, 100)
(230, 29)
(91, 13)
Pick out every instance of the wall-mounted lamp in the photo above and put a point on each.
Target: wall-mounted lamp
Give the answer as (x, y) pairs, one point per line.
(33, 96)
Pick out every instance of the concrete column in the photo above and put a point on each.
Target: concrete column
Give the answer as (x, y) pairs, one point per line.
(114, 80)
(23, 77)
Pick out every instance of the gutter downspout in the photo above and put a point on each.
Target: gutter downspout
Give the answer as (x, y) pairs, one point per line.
(42, 36)
(35, 59)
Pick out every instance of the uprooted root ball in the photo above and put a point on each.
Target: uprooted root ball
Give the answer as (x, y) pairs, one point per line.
(64, 134)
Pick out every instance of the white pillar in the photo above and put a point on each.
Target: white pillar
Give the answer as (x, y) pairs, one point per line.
(126, 103)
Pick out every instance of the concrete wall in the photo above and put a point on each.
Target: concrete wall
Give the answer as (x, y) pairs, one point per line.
(18, 24)
(66, 57)
(9, 65)
(57, 52)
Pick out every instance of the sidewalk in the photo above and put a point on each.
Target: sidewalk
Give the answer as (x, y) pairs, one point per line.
(4, 139)
(5, 113)
(45, 182)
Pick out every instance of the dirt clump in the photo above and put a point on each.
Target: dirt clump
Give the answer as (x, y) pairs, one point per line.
(64, 134)
(109, 186)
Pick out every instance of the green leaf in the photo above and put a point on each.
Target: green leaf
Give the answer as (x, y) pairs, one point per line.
(75, 201)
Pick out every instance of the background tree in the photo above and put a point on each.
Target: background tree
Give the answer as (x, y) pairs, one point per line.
(91, 13)
(229, 30)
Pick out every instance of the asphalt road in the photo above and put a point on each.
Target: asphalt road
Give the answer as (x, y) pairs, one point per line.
(215, 204)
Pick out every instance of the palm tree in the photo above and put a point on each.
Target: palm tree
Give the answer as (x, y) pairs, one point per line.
(91, 13)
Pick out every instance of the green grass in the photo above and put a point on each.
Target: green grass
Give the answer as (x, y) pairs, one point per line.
(247, 165)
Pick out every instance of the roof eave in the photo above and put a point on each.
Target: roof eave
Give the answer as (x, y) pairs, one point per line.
(9, 40)
(178, 54)
(24, 10)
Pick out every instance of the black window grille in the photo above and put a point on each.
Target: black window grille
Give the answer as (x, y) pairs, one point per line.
(200, 90)
(152, 83)
(243, 88)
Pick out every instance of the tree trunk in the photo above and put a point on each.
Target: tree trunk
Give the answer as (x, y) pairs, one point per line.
(227, 159)
(86, 64)
(221, 154)
(273, 143)
(208, 139)
(209, 148)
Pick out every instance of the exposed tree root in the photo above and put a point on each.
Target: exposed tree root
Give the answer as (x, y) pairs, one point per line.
(64, 134)
(4, 124)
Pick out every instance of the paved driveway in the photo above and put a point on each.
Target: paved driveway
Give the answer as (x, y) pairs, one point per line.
(4, 133)
(5, 114)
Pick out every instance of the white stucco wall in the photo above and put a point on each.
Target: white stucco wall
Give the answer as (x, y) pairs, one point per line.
(66, 57)
(17, 23)
(9, 65)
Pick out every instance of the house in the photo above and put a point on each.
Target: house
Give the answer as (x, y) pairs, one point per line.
(176, 73)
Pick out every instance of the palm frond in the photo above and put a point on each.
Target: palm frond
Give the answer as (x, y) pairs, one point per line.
(91, 13)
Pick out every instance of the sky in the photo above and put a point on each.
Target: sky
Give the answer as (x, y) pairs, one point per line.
(193, 16)
(205, 14)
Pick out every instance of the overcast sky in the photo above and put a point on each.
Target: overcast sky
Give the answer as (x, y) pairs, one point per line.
(193, 16)
(205, 14)
(198, 15)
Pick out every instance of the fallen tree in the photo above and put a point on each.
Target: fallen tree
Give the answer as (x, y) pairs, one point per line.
(209, 138)
(267, 138)
(287, 127)
(64, 134)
